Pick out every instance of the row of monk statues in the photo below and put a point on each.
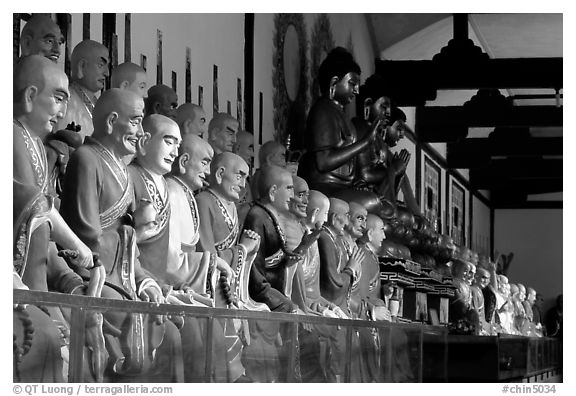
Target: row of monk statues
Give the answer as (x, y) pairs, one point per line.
(126, 195)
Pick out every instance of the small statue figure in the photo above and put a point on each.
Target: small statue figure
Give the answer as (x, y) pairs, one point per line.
(222, 132)
(129, 76)
(161, 99)
(191, 118)
(89, 62)
(41, 36)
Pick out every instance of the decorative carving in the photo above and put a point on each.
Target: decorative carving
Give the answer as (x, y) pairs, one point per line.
(290, 82)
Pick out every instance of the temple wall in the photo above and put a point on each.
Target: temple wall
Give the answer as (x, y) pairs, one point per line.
(535, 237)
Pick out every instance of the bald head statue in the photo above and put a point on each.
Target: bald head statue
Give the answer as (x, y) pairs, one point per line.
(460, 270)
(117, 119)
(191, 119)
(161, 100)
(40, 94)
(272, 153)
(374, 234)
(90, 62)
(41, 36)
(158, 148)
(299, 203)
(317, 209)
(244, 146)
(338, 215)
(222, 132)
(228, 173)
(276, 188)
(193, 163)
(357, 224)
(482, 278)
(129, 76)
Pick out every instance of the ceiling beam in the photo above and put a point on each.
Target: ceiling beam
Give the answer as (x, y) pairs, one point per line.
(478, 152)
(448, 123)
(415, 81)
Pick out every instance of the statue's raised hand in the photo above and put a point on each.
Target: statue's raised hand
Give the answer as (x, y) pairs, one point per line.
(356, 259)
(250, 240)
(307, 240)
(400, 161)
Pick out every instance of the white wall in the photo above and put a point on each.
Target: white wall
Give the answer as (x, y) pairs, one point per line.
(535, 237)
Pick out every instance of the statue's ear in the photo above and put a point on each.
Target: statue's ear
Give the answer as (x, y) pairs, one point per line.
(369, 233)
(25, 42)
(182, 162)
(368, 102)
(124, 84)
(313, 215)
(219, 174)
(110, 120)
(30, 94)
(272, 192)
(80, 68)
(186, 126)
(334, 80)
(156, 107)
(142, 143)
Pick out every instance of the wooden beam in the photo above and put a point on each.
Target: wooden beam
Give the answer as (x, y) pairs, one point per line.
(477, 152)
(448, 123)
(529, 205)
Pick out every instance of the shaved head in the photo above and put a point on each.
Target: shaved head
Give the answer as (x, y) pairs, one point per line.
(193, 162)
(40, 94)
(158, 149)
(244, 146)
(192, 144)
(373, 221)
(338, 206)
(191, 118)
(41, 36)
(338, 215)
(272, 153)
(318, 206)
(129, 76)
(89, 65)
(222, 132)
(113, 100)
(271, 176)
(161, 100)
(32, 70)
(357, 224)
(156, 122)
(228, 173)
(299, 184)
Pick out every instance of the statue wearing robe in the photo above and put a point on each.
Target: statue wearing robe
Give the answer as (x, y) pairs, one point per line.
(96, 200)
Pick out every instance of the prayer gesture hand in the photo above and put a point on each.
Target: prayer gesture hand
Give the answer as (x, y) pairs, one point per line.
(356, 259)
(250, 240)
(400, 161)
